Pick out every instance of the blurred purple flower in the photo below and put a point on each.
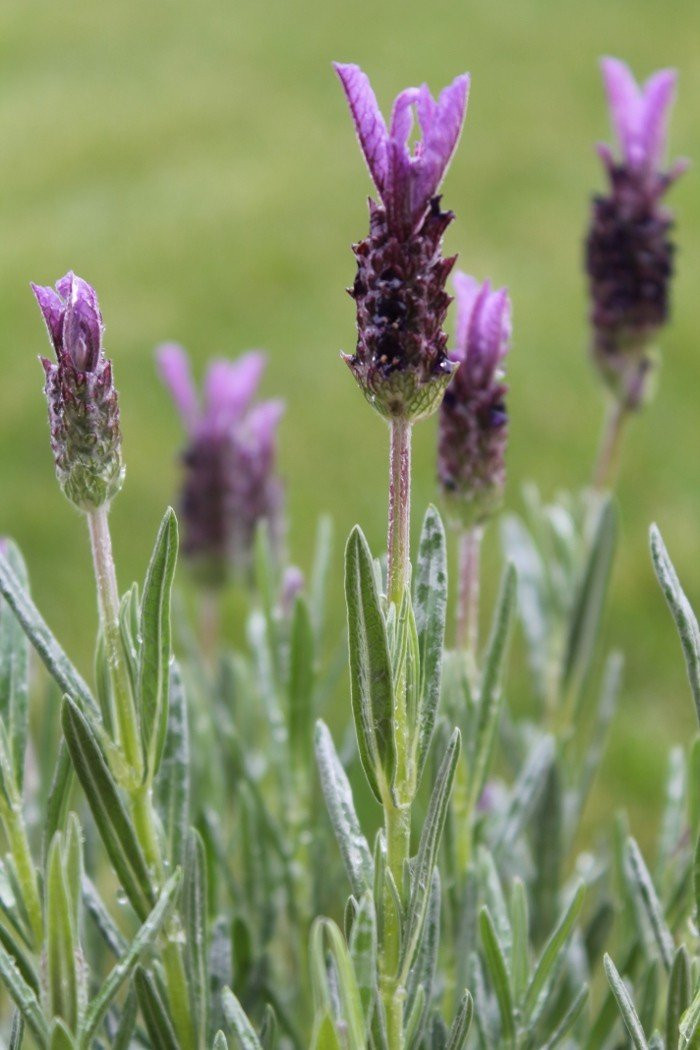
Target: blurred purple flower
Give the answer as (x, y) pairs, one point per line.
(82, 400)
(629, 254)
(400, 361)
(473, 423)
(230, 484)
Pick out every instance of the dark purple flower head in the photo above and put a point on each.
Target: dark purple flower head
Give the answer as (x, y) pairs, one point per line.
(473, 423)
(83, 407)
(406, 179)
(230, 485)
(400, 361)
(629, 254)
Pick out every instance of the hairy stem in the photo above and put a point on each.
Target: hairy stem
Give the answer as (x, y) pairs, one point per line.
(468, 598)
(399, 509)
(609, 452)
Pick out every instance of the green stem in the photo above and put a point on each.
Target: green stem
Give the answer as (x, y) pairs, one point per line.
(399, 509)
(108, 603)
(609, 452)
(140, 796)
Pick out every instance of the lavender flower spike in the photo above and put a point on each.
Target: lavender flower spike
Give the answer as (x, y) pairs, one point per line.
(82, 400)
(473, 423)
(230, 484)
(629, 254)
(400, 361)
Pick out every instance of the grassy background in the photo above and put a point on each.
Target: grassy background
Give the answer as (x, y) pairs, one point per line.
(196, 163)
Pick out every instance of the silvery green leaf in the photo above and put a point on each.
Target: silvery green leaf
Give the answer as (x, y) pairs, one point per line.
(498, 972)
(459, 1030)
(416, 1015)
(568, 1020)
(325, 936)
(673, 824)
(113, 822)
(269, 1028)
(61, 1037)
(15, 948)
(173, 781)
(650, 904)
(238, 1022)
(196, 937)
(525, 794)
(219, 1041)
(155, 651)
(607, 705)
(59, 795)
(154, 1013)
(422, 976)
(479, 757)
(520, 926)
(597, 931)
(427, 854)
(690, 1024)
(301, 684)
(363, 952)
(129, 632)
(103, 682)
(534, 615)
(145, 936)
(61, 941)
(608, 1012)
(548, 851)
(55, 660)
(320, 573)
(625, 1005)
(14, 671)
(127, 1022)
(371, 685)
(341, 809)
(686, 622)
(648, 994)
(96, 907)
(16, 1031)
(494, 898)
(24, 997)
(551, 952)
(429, 607)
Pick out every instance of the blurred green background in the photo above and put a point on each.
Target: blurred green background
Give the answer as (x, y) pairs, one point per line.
(195, 162)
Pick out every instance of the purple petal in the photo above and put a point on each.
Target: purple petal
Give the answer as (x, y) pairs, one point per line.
(467, 290)
(624, 100)
(230, 386)
(369, 122)
(82, 323)
(441, 131)
(261, 422)
(402, 115)
(174, 368)
(658, 97)
(52, 310)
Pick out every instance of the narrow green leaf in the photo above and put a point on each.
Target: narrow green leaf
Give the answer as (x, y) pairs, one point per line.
(590, 597)
(459, 1029)
(59, 795)
(155, 1015)
(301, 684)
(173, 782)
(24, 998)
(341, 809)
(16, 950)
(480, 750)
(498, 972)
(650, 904)
(430, 607)
(61, 976)
(219, 1041)
(371, 686)
(97, 909)
(197, 941)
(325, 932)
(686, 622)
(238, 1022)
(269, 1028)
(16, 1031)
(363, 951)
(525, 793)
(625, 1005)
(550, 953)
(521, 549)
(14, 672)
(111, 817)
(520, 952)
(145, 936)
(690, 1023)
(568, 1020)
(678, 996)
(61, 1037)
(427, 853)
(55, 660)
(127, 1022)
(325, 1036)
(155, 652)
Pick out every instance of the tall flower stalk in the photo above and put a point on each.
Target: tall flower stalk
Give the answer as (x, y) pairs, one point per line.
(629, 251)
(401, 365)
(86, 442)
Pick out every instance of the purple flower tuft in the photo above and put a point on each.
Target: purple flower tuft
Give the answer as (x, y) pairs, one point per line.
(473, 423)
(629, 253)
(83, 407)
(230, 484)
(400, 361)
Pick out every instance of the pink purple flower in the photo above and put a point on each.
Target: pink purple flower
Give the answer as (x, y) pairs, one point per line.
(82, 400)
(400, 361)
(473, 422)
(230, 484)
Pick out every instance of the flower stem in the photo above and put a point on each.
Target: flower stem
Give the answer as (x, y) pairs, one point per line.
(140, 797)
(609, 451)
(399, 509)
(468, 599)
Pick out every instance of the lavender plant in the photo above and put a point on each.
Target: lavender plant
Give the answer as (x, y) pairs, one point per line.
(470, 916)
